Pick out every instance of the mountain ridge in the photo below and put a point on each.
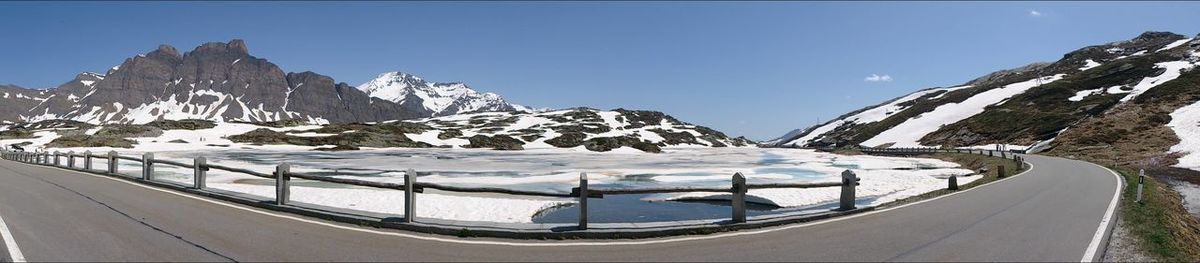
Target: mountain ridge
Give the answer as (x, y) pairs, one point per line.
(1059, 107)
(218, 81)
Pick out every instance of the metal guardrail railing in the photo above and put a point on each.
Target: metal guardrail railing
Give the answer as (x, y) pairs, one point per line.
(1005, 154)
(411, 186)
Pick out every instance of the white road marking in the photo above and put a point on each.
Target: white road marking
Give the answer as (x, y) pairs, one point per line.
(1093, 249)
(14, 252)
(519, 244)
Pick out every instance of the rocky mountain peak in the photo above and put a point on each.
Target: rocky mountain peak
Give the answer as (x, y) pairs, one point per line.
(1153, 35)
(235, 46)
(221, 81)
(165, 51)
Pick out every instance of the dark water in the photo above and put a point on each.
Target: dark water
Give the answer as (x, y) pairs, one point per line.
(631, 209)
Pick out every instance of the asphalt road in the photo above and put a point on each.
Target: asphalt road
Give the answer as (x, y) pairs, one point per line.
(1051, 213)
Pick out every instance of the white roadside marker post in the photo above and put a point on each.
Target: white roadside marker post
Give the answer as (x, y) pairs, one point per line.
(1141, 184)
(148, 166)
(87, 160)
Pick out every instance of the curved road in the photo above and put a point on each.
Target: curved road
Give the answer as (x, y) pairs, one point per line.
(1051, 213)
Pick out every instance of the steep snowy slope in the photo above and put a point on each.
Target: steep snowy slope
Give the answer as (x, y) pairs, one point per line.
(439, 99)
(1022, 106)
(908, 133)
(870, 115)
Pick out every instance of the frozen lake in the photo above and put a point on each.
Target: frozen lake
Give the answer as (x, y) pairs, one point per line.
(883, 179)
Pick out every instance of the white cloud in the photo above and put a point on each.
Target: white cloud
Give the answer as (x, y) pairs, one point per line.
(878, 78)
(1034, 13)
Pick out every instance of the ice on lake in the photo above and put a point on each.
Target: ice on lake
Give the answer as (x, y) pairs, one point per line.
(884, 179)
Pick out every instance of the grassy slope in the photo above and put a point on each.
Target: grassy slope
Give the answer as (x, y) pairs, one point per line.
(1160, 224)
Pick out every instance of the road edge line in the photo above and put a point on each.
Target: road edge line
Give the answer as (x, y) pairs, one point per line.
(1093, 252)
(529, 244)
(14, 251)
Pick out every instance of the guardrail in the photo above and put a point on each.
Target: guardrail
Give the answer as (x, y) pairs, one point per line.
(411, 186)
(909, 151)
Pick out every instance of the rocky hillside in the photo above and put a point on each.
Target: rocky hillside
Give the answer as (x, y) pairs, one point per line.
(438, 99)
(1091, 98)
(219, 82)
(573, 129)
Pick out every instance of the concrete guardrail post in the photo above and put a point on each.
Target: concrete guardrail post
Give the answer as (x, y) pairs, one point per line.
(87, 160)
(71, 159)
(282, 179)
(199, 169)
(1000, 171)
(953, 181)
(56, 161)
(739, 198)
(583, 201)
(410, 196)
(849, 181)
(148, 166)
(112, 162)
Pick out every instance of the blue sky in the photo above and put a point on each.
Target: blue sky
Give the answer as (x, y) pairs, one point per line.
(757, 69)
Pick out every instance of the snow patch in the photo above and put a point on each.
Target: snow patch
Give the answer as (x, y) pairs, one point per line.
(868, 116)
(1173, 70)
(1174, 44)
(1080, 95)
(908, 133)
(1089, 64)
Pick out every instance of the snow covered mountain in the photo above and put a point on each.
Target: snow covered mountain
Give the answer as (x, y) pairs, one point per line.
(218, 92)
(1136, 97)
(223, 82)
(439, 99)
(578, 129)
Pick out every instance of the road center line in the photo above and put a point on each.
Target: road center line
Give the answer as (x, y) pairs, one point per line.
(14, 252)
